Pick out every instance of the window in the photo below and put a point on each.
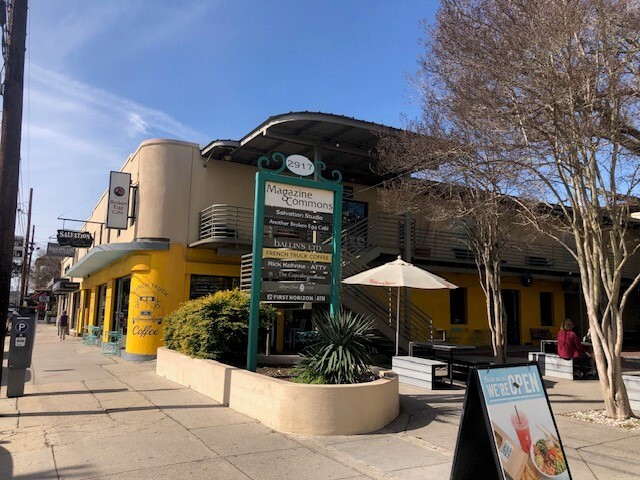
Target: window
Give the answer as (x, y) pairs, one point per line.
(102, 305)
(546, 309)
(458, 305)
(203, 285)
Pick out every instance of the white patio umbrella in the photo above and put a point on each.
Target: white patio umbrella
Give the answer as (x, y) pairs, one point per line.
(399, 274)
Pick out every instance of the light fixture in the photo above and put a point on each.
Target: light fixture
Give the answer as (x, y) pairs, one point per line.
(526, 280)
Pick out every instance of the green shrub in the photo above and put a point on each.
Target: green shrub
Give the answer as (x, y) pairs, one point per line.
(214, 326)
(341, 352)
(305, 375)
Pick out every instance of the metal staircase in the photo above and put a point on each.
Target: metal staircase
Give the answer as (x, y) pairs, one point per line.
(362, 243)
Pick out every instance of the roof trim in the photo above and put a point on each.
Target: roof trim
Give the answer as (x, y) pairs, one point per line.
(294, 117)
(102, 255)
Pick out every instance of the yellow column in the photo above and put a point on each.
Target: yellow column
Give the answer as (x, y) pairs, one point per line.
(80, 319)
(93, 306)
(157, 286)
(108, 309)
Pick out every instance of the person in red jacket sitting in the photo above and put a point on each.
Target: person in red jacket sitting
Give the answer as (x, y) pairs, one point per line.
(570, 347)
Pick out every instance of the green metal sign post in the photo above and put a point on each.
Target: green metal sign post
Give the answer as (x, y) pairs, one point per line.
(262, 178)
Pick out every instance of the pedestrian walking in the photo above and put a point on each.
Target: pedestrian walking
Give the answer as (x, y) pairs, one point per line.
(63, 324)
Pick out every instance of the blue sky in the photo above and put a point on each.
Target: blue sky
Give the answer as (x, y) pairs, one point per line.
(103, 76)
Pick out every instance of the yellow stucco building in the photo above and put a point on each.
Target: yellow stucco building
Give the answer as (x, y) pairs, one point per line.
(190, 229)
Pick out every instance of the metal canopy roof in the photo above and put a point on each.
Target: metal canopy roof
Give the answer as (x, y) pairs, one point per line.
(346, 144)
(102, 255)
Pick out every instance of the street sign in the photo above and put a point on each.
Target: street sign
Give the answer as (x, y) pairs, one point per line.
(292, 244)
(118, 200)
(56, 250)
(296, 275)
(297, 215)
(18, 249)
(21, 326)
(74, 238)
(296, 287)
(293, 298)
(294, 217)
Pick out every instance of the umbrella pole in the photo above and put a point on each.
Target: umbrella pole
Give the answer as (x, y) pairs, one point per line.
(398, 322)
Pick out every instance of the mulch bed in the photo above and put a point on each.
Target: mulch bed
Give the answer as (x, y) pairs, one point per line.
(283, 373)
(599, 416)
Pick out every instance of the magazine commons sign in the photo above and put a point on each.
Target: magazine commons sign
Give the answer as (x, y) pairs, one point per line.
(296, 248)
(297, 225)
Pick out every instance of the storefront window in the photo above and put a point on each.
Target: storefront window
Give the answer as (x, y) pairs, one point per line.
(546, 309)
(102, 304)
(458, 306)
(203, 285)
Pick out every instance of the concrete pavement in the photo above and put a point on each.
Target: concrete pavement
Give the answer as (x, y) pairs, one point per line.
(86, 415)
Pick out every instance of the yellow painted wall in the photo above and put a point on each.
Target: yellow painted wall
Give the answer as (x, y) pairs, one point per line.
(436, 304)
(159, 284)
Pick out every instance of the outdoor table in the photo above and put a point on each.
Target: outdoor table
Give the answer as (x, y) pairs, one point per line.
(545, 343)
(442, 347)
(451, 348)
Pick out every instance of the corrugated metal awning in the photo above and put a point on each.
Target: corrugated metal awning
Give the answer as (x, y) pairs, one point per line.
(346, 144)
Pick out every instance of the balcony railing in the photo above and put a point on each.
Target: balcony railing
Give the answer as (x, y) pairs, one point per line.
(384, 233)
(227, 224)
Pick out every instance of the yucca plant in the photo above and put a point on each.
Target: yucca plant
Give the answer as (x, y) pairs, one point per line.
(341, 352)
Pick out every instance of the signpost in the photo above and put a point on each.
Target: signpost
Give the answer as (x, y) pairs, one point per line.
(118, 200)
(507, 430)
(74, 238)
(18, 249)
(296, 241)
(55, 250)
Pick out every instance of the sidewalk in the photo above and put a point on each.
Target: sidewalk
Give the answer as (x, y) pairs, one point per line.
(85, 415)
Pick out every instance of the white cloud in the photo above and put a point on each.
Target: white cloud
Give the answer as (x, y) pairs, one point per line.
(73, 135)
(137, 124)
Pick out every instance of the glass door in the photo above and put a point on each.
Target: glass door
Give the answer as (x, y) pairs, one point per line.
(121, 311)
(102, 305)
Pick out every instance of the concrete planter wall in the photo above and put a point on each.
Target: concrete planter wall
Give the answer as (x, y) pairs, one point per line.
(286, 406)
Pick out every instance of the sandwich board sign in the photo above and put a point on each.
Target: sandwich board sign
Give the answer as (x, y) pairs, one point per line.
(507, 430)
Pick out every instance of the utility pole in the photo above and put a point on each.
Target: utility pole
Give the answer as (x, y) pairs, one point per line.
(10, 138)
(27, 243)
(31, 248)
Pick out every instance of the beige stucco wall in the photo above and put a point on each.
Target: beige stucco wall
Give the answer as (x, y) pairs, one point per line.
(286, 406)
(162, 170)
(174, 186)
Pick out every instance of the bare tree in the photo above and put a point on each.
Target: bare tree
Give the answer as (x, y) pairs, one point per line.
(555, 85)
(46, 268)
(444, 172)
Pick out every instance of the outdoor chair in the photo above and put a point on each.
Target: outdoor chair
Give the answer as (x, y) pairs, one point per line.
(455, 334)
(91, 335)
(480, 338)
(112, 345)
